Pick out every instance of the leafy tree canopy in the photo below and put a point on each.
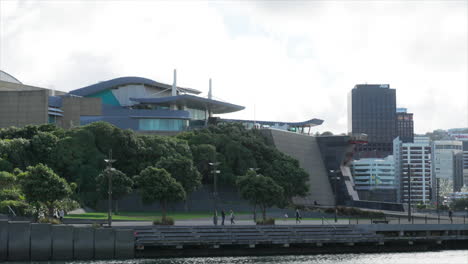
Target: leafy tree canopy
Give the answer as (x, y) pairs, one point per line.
(41, 185)
(260, 190)
(156, 184)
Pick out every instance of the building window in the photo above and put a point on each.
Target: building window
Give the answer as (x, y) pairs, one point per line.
(52, 119)
(197, 114)
(162, 124)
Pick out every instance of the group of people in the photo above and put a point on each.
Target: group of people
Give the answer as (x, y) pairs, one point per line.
(223, 217)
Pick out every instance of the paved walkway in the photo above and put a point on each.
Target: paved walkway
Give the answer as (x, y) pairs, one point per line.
(207, 222)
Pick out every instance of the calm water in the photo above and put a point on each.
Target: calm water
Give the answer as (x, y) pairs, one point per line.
(441, 257)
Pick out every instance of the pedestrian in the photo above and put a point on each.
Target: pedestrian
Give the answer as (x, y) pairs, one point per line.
(286, 217)
(450, 216)
(223, 216)
(61, 214)
(215, 218)
(298, 216)
(232, 217)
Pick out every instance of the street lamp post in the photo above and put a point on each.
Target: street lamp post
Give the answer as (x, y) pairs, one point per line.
(335, 180)
(109, 162)
(215, 186)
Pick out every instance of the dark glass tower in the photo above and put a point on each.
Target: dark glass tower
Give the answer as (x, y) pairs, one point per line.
(404, 124)
(372, 111)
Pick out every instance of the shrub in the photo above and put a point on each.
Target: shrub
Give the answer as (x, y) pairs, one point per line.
(47, 220)
(164, 221)
(96, 225)
(268, 221)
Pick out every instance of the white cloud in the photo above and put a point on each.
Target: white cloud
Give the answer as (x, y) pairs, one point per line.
(292, 60)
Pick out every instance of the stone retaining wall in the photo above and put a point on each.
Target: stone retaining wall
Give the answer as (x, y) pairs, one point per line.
(24, 241)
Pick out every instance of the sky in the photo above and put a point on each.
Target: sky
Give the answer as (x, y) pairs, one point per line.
(282, 60)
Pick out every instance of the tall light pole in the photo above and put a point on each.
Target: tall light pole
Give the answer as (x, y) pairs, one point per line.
(109, 162)
(335, 180)
(215, 185)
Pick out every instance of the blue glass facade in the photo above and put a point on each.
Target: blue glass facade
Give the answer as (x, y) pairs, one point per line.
(162, 124)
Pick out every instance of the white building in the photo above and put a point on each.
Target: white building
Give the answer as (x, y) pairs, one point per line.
(448, 164)
(374, 174)
(416, 158)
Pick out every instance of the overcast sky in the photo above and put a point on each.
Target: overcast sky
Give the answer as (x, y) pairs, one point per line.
(292, 60)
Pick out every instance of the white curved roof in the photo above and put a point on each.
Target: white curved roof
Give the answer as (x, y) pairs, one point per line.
(8, 78)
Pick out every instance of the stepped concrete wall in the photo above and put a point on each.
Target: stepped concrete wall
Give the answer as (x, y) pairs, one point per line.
(24, 241)
(306, 150)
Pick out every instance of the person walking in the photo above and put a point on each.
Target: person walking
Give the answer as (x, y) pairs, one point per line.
(61, 214)
(298, 217)
(215, 218)
(223, 216)
(450, 216)
(232, 217)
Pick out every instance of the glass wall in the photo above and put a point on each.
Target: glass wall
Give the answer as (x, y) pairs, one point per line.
(197, 114)
(162, 124)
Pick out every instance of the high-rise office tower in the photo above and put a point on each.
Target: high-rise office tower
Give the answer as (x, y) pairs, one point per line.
(448, 165)
(413, 167)
(372, 111)
(404, 125)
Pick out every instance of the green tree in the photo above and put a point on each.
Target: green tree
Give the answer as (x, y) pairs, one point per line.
(260, 190)
(183, 171)
(41, 185)
(43, 145)
(121, 185)
(158, 185)
(203, 154)
(460, 204)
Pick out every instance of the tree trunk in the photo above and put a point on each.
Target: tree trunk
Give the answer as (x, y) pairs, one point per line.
(163, 209)
(50, 209)
(264, 212)
(255, 212)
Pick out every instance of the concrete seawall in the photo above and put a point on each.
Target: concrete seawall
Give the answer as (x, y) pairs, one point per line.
(24, 241)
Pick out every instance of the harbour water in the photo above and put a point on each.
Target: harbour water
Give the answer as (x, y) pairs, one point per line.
(439, 257)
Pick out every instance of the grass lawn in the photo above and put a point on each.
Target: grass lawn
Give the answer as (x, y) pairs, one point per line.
(141, 216)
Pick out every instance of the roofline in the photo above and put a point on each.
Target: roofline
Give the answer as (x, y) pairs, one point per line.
(112, 83)
(311, 122)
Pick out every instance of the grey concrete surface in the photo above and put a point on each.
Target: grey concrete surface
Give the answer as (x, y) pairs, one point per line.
(3, 239)
(104, 243)
(124, 244)
(19, 234)
(62, 242)
(305, 149)
(83, 246)
(41, 241)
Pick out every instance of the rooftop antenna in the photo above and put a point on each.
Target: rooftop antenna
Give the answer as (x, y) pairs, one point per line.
(210, 94)
(255, 123)
(174, 84)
